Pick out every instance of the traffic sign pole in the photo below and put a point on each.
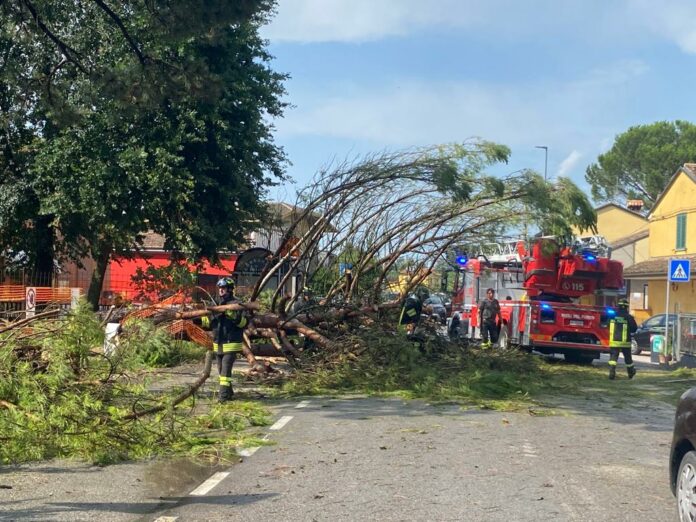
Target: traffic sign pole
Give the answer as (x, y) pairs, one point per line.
(669, 286)
(678, 271)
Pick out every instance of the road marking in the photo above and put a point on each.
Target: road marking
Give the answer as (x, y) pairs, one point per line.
(281, 422)
(209, 484)
(166, 519)
(302, 404)
(248, 452)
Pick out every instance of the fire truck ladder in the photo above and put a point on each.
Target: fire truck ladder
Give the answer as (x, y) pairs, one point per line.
(504, 253)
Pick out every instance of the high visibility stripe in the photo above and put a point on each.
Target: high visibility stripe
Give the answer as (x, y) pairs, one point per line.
(618, 333)
(231, 347)
(205, 321)
(612, 363)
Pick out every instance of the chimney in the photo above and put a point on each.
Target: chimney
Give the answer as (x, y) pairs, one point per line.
(634, 204)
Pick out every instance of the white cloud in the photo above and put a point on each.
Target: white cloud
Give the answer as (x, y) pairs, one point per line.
(367, 20)
(413, 112)
(671, 20)
(569, 163)
(311, 21)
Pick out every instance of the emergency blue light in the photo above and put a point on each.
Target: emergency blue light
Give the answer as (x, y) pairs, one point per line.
(611, 311)
(590, 258)
(462, 260)
(546, 306)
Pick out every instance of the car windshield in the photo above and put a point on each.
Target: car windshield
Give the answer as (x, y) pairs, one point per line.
(433, 300)
(655, 321)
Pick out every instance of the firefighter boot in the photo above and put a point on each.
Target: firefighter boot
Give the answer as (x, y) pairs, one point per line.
(612, 372)
(631, 371)
(225, 394)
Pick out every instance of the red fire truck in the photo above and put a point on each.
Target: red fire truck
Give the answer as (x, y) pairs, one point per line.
(538, 290)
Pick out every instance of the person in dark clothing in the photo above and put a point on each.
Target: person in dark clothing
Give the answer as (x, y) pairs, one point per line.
(621, 327)
(228, 329)
(410, 314)
(489, 319)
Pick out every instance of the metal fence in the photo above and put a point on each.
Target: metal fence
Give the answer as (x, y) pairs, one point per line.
(685, 335)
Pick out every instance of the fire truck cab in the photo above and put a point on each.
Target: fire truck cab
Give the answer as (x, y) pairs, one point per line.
(538, 290)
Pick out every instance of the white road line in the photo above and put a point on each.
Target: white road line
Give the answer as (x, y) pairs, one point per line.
(166, 519)
(281, 422)
(302, 404)
(248, 452)
(209, 484)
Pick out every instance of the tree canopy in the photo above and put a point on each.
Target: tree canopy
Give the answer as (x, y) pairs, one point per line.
(121, 118)
(641, 161)
(413, 207)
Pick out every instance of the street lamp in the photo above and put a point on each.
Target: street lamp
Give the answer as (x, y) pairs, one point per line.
(546, 158)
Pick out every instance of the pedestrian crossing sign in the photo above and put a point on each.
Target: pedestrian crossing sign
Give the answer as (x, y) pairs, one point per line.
(679, 270)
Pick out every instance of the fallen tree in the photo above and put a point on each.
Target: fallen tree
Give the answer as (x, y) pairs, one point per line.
(394, 215)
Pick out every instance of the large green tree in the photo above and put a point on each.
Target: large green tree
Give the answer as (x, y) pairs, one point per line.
(641, 161)
(123, 117)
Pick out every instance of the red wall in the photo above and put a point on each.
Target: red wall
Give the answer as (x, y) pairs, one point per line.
(119, 275)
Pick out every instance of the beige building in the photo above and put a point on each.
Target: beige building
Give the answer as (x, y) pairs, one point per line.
(626, 231)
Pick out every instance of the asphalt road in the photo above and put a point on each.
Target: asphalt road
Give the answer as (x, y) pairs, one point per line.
(381, 459)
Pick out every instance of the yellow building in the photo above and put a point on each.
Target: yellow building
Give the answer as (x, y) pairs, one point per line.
(672, 235)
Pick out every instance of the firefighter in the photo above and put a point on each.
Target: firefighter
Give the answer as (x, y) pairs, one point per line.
(410, 313)
(621, 327)
(490, 319)
(227, 328)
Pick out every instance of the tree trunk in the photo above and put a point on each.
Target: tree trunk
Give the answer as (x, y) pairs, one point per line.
(43, 264)
(95, 285)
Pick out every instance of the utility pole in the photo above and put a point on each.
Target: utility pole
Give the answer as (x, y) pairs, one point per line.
(546, 158)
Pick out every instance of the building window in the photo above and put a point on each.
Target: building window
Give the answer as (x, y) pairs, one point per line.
(681, 231)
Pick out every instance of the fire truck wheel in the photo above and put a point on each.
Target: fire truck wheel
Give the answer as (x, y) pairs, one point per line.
(579, 358)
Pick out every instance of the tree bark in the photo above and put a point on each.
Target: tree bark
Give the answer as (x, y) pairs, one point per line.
(95, 285)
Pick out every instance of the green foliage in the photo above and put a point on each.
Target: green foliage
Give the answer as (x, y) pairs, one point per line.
(140, 116)
(390, 364)
(642, 161)
(558, 207)
(460, 166)
(145, 345)
(63, 398)
(158, 282)
(503, 380)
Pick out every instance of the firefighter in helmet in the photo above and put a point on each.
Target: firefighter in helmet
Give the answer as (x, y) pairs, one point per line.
(621, 327)
(228, 328)
(411, 311)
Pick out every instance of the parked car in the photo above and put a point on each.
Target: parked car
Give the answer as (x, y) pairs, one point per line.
(447, 301)
(437, 307)
(655, 325)
(682, 457)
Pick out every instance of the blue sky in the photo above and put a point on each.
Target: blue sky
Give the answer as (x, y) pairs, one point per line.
(369, 75)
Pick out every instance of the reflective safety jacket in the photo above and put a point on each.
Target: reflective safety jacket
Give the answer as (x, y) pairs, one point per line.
(411, 311)
(227, 327)
(620, 329)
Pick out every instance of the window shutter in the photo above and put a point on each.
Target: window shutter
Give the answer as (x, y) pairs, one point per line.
(681, 231)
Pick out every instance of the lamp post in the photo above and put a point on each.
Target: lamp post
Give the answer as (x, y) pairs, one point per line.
(546, 158)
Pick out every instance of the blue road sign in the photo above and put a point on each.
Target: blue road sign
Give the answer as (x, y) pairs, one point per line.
(679, 270)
